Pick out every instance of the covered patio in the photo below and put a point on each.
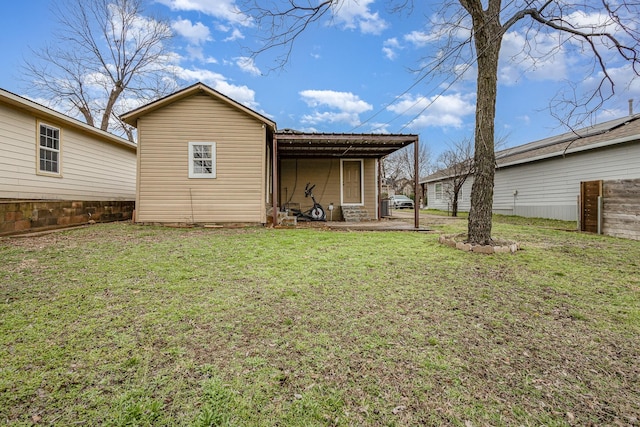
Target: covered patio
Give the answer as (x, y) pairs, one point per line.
(345, 168)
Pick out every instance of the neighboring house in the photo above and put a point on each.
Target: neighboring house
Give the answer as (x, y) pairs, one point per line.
(542, 178)
(56, 171)
(204, 158)
(438, 191)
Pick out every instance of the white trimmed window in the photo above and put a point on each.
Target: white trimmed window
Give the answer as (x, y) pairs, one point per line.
(49, 149)
(202, 160)
(439, 191)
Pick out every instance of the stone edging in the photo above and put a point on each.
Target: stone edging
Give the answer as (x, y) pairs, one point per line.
(458, 241)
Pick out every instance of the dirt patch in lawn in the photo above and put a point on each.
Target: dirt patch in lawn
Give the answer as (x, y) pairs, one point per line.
(461, 242)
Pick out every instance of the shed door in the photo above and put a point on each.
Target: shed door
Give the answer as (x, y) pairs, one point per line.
(352, 181)
(589, 193)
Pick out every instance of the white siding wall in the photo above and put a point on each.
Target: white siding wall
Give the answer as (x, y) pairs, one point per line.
(549, 188)
(92, 169)
(444, 203)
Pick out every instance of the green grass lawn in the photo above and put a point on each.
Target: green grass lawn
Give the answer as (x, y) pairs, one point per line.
(120, 325)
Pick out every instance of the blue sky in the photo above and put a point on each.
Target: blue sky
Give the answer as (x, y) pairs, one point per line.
(351, 73)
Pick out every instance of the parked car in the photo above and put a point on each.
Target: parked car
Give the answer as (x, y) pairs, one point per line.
(400, 202)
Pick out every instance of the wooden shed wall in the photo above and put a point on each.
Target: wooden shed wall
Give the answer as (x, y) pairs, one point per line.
(92, 169)
(621, 208)
(166, 194)
(325, 174)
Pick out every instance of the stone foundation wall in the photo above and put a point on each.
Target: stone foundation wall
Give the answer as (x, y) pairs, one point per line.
(19, 216)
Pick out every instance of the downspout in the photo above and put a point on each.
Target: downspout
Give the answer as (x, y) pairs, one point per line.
(416, 183)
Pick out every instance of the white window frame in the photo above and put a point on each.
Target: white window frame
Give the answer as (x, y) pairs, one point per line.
(192, 172)
(40, 149)
(439, 194)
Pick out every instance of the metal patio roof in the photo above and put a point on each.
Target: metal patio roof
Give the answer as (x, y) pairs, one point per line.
(294, 144)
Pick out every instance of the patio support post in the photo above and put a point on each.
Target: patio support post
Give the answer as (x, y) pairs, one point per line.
(276, 183)
(416, 183)
(379, 213)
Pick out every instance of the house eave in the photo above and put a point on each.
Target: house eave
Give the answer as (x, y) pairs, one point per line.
(46, 113)
(562, 153)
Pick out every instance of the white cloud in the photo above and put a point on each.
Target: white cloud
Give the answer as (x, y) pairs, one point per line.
(440, 29)
(195, 52)
(198, 53)
(221, 9)
(599, 21)
(356, 14)
(556, 56)
(241, 94)
(611, 114)
(379, 127)
(540, 58)
(435, 111)
(345, 101)
(390, 48)
(627, 85)
(247, 65)
(331, 117)
(197, 33)
(236, 34)
(420, 38)
(348, 106)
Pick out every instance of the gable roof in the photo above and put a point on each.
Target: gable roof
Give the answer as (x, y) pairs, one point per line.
(46, 113)
(132, 117)
(605, 134)
(613, 132)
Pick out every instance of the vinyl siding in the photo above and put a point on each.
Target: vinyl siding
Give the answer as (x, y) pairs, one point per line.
(550, 188)
(325, 174)
(91, 169)
(166, 194)
(444, 204)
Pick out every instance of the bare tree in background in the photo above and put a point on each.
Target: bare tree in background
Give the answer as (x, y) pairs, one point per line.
(471, 33)
(399, 167)
(105, 51)
(457, 163)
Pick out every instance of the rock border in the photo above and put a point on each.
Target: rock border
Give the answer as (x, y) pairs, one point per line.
(458, 241)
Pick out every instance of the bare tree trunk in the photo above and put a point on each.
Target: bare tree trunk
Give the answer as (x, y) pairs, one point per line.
(113, 97)
(454, 205)
(487, 36)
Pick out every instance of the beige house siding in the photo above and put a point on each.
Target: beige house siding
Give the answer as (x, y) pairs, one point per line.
(166, 194)
(91, 167)
(325, 174)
